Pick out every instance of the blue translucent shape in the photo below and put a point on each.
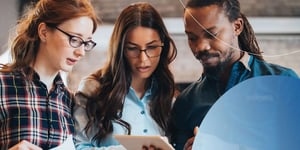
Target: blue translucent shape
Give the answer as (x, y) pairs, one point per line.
(261, 113)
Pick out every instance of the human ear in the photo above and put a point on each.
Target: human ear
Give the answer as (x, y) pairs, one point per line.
(42, 31)
(238, 26)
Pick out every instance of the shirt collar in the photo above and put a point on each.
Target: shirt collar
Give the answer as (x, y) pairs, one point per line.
(152, 86)
(58, 81)
(245, 61)
(150, 90)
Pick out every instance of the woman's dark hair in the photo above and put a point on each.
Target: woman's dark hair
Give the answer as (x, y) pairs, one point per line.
(115, 78)
(247, 39)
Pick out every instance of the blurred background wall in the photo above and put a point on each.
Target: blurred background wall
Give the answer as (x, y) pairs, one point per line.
(8, 17)
(276, 23)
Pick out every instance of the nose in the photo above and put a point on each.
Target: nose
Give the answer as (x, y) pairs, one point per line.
(202, 45)
(80, 52)
(143, 56)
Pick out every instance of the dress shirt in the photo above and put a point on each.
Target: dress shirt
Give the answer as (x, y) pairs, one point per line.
(29, 112)
(135, 112)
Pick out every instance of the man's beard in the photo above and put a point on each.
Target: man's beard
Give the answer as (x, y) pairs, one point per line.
(217, 71)
(214, 72)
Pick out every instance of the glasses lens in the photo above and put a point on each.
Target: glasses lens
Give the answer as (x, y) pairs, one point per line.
(89, 45)
(133, 51)
(153, 51)
(75, 42)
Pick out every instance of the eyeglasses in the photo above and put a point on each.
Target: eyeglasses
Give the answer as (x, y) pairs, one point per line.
(76, 41)
(151, 51)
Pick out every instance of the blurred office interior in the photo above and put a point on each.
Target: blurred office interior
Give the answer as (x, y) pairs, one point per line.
(275, 22)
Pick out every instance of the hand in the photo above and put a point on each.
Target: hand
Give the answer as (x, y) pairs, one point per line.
(25, 145)
(151, 147)
(189, 143)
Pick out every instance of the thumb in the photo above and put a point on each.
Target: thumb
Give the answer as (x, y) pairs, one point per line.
(196, 130)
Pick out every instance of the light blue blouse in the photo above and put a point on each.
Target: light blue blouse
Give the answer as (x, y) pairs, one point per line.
(135, 112)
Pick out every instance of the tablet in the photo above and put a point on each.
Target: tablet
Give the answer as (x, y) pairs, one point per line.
(133, 142)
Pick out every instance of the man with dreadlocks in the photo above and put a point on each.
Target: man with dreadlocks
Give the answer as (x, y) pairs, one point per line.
(222, 39)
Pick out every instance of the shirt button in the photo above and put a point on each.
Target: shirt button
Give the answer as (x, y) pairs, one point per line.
(145, 130)
(142, 112)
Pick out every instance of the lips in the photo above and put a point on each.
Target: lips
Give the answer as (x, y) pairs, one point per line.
(143, 69)
(205, 56)
(71, 61)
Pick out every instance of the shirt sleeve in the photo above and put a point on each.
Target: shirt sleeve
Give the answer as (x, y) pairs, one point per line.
(80, 118)
(82, 139)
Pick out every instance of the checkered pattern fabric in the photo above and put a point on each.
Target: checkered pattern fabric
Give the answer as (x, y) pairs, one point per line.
(29, 112)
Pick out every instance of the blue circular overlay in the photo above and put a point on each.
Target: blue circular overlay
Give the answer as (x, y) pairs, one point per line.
(261, 113)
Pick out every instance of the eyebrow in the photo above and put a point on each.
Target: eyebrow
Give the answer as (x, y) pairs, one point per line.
(78, 35)
(204, 30)
(146, 43)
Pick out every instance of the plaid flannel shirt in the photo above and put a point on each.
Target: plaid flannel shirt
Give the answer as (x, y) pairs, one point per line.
(29, 112)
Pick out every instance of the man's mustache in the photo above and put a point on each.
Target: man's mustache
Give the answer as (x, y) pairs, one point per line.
(205, 55)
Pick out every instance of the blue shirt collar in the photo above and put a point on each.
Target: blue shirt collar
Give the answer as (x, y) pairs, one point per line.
(149, 91)
(246, 61)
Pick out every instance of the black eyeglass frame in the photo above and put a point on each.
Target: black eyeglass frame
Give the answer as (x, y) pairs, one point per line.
(145, 51)
(85, 43)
